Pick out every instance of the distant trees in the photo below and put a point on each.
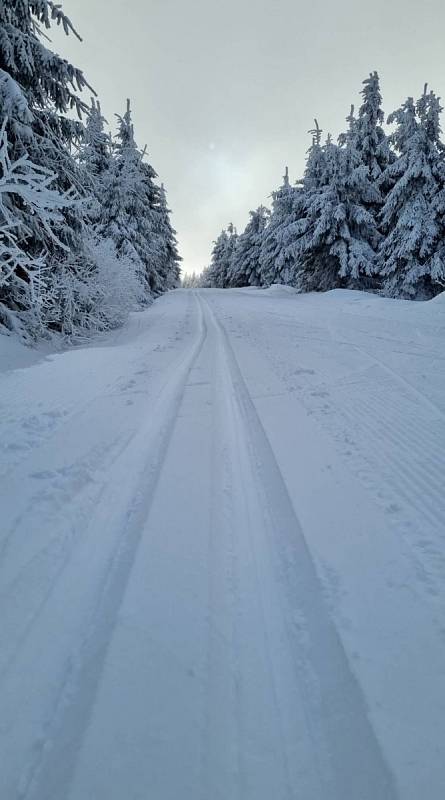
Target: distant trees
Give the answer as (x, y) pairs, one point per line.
(219, 270)
(369, 212)
(192, 280)
(85, 231)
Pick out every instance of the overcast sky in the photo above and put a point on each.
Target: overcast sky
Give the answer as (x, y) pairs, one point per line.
(224, 93)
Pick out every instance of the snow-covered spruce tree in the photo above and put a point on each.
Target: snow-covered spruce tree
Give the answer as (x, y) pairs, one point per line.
(412, 254)
(275, 267)
(367, 153)
(129, 230)
(95, 152)
(337, 238)
(244, 269)
(218, 271)
(170, 260)
(93, 289)
(315, 171)
(95, 160)
(136, 216)
(128, 216)
(37, 89)
(294, 231)
(24, 275)
(47, 82)
(369, 138)
(164, 264)
(232, 238)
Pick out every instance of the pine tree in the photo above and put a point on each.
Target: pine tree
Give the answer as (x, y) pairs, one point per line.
(412, 263)
(245, 267)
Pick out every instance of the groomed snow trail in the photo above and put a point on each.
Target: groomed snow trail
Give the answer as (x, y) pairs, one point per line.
(207, 591)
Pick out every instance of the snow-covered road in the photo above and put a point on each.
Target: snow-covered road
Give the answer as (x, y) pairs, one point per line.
(222, 555)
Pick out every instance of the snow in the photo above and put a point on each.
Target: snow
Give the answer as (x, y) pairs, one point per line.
(280, 288)
(15, 355)
(222, 569)
(439, 299)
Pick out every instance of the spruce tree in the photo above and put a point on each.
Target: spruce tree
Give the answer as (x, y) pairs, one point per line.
(370, 145)
(37, 90)
(218, 272)
(337, 237)
(295, 225)
(24, 276)
(127, 213)
(95, 152)
(170, 259)
(274, 266)
(40, 85)
(245, 269)
(232, 239)
(411, 257)
(217, 269)
(370, 140)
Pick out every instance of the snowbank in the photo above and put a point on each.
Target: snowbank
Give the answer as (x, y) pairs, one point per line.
(15, 355)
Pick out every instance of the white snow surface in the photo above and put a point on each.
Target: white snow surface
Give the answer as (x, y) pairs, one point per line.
(222, 568)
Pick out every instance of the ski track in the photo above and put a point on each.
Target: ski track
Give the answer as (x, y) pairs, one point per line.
(166, 629)
(83, 667)
(338, 735)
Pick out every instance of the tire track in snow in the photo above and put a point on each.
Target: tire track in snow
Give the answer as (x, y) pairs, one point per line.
(351, 763)
(55, 747)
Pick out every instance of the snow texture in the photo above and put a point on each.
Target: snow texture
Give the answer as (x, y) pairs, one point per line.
(222, 568)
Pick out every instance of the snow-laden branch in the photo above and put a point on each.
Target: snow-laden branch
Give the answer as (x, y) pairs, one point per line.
(25, 192)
